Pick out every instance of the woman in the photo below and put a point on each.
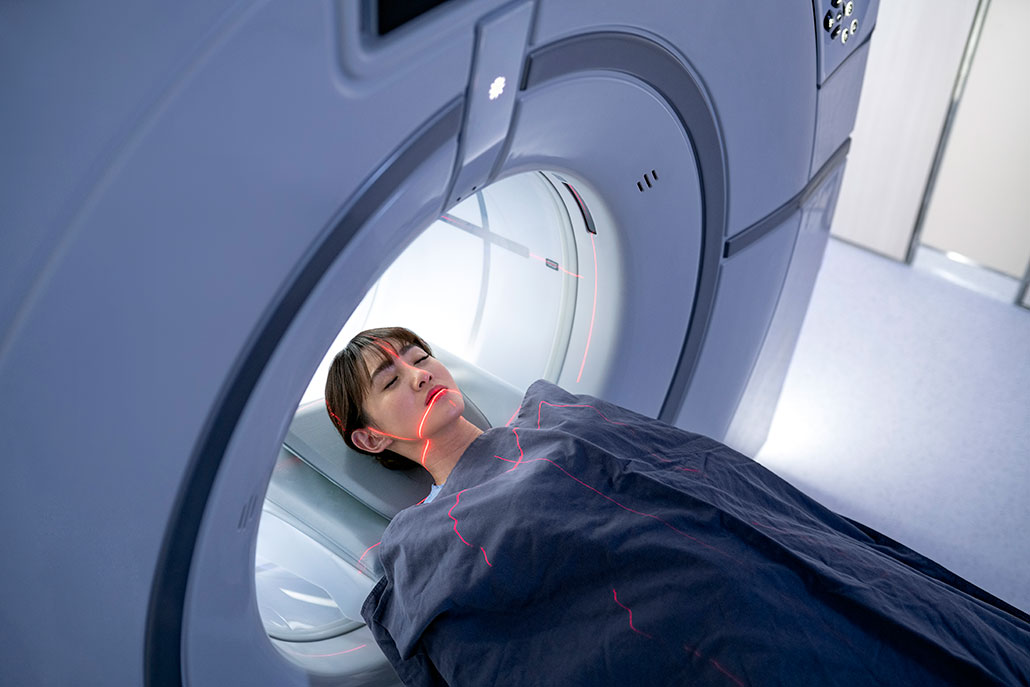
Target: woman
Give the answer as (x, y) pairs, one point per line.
(396, 402)
(584, 544)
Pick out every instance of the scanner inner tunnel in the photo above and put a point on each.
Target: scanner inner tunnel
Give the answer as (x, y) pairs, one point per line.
(493, 285)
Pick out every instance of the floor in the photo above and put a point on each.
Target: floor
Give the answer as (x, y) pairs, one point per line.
(907, 407)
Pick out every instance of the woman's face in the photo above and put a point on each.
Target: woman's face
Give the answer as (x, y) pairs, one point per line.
(412, 395)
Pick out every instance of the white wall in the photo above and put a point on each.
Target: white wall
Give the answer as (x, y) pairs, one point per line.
(980, 205)
(916, 51)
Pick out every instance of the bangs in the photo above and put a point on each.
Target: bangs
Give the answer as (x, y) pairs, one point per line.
(381, 346)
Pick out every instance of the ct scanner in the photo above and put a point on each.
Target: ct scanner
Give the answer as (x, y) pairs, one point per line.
(198, 195)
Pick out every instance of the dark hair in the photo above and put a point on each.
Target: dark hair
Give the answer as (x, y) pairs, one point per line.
(348, 383)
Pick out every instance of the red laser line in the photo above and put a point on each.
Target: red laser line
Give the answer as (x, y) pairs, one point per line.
(519, 446)
(726, 672)
(339, 422)
(450, 514)
(388, 348)
(718, 666)
(425, 449)
(457, 498)
(616, 596)
(544, 260)
(426, 414)
(593, 313)
(513, 416)
(367, 551)
(361, 560)
(387, 434)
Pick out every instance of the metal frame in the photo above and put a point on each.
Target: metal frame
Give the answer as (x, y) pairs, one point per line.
(1024, 289)
(975, 31)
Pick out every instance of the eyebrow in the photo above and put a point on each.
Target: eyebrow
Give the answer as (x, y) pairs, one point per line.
(387, 364)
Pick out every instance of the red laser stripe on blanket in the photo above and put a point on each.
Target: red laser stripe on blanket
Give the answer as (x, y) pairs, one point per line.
(450, 514)
(628, 610)
(361, 560)
(718, 666)
(540, 409)
(457, 499)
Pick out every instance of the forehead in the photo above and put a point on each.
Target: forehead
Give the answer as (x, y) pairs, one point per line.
(380, 355)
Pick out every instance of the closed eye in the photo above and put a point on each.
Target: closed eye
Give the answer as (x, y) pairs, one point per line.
(420, 360)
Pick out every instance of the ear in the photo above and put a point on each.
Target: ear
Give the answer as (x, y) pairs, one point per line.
(367, 439)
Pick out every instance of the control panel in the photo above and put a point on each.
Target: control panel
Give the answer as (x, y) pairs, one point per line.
(842, 27)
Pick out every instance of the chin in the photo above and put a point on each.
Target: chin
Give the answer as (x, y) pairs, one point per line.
(448, 408)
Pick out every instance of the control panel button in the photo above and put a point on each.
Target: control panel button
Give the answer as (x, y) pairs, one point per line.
(836, 3)
(849, 8)
(854, 26)
(830, 20)
(836, 32)
(844, 35)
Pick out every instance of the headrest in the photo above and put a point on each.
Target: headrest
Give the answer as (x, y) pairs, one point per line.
(315, 440)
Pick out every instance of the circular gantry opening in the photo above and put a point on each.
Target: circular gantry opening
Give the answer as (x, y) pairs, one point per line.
(495, 285)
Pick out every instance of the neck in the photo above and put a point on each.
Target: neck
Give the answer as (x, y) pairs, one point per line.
(445, 449)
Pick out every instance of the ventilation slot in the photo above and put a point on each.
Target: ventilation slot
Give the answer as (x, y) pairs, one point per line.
(649, 179)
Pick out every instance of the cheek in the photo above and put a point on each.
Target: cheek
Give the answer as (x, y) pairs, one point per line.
(443, 375)
(390, 415)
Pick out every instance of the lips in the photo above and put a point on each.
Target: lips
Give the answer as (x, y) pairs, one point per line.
(434, 392)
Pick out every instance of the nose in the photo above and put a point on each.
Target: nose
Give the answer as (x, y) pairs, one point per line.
(420, 378)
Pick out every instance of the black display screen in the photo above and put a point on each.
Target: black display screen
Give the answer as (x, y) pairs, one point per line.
(392, 14)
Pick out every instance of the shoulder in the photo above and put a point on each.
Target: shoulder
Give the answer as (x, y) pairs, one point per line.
(539, 393)
(543, 390)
